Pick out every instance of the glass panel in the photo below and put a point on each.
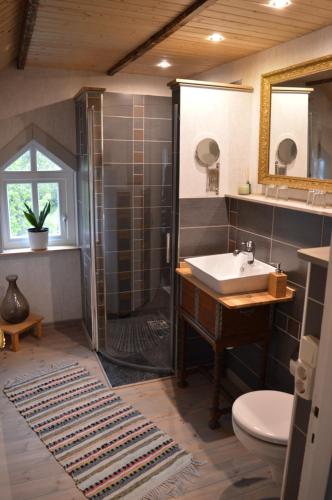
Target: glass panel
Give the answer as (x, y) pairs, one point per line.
(44, 164)
(21, 164)
(17, 195)
(49, 191)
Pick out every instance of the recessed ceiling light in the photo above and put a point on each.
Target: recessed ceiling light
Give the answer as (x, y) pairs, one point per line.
(279, 4)
(215, 37)
(164, 64)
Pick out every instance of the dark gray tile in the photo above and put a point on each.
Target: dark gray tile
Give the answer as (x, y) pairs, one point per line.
(195, 212)
(157, 106)
(118, 218)
(117, 104)
(314, 319)
(156, 278)
(154, 259)
(327, 229)
(243, 372)
(160, 217)
(302, 413)
(157, 196)
(157, 175)
(118, 175)
(255, 217)
(118, 197)
(283, 347)
(117, 241)
(158, 152)
(155, 238)
(298, 228)
(118, 261)
(203, 241)
(118, 304)
(118, 128)
(297, 447)
(278, 377)
(295, 268)
(251, 356)
(317, 282)
(294, 308)
(157, 130)
(118, 151)
(118, 282)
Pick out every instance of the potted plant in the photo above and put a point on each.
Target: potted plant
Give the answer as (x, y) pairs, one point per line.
(38, 234)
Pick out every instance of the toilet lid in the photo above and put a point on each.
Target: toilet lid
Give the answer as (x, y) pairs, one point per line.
(265, 415)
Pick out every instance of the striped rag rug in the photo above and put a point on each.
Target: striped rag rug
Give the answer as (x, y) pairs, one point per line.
(108, 447)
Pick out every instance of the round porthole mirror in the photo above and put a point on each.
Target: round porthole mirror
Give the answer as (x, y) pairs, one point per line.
(207, 152)
(287, 151)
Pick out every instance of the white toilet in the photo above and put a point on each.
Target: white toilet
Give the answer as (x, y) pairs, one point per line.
(261, 422)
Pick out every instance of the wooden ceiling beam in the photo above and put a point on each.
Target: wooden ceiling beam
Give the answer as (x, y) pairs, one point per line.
(28, 25)
(175, 24)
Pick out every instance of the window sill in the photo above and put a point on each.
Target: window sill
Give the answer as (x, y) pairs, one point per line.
(28, 251)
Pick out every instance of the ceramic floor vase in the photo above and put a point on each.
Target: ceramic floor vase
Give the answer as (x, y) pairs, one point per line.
(14, 307)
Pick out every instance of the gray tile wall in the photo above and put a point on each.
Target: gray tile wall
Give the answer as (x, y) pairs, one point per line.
(278, 234)
(203, 226)
(138, 197)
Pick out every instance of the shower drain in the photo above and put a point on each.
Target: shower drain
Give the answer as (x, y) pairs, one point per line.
(158, 326)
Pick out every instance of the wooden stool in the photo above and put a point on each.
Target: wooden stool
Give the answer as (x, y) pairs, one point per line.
(14, 330)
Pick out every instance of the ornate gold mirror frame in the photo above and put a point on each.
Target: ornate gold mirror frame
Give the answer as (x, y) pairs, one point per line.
(268, 80)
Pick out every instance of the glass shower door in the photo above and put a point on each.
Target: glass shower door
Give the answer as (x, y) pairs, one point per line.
(137, 141)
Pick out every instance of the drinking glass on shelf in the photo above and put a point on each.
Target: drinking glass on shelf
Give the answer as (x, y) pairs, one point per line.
(311, 196)
(282, 193)
(270, 190)
(319, 198)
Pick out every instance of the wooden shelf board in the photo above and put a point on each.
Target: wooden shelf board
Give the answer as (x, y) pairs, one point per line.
(236, 301)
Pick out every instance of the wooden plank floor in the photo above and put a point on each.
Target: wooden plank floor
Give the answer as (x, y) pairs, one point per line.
(29, 472)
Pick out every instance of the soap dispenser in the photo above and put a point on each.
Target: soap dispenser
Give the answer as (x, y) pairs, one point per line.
(277, 283)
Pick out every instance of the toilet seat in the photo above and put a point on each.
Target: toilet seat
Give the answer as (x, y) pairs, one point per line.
(265, 415)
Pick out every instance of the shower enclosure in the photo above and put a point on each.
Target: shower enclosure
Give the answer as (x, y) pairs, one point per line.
(125, 213)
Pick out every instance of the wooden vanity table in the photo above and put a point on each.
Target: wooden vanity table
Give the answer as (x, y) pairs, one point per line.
(223, 321)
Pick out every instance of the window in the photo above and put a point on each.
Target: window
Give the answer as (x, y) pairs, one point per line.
(35, 176)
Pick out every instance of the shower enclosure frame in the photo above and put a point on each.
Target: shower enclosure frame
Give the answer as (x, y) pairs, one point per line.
(98, 315)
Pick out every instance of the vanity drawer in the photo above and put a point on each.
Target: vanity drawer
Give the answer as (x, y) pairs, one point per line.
(188, 297)
(250, 322)
(207, 310)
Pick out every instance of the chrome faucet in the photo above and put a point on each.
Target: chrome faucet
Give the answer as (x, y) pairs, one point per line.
(248, 248)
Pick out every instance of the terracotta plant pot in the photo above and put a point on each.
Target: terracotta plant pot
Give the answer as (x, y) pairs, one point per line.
(38, 239)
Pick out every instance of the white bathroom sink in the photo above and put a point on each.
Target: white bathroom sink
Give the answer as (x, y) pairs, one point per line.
(229, 274)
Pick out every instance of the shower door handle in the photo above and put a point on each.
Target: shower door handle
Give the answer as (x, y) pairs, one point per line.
(168, 248)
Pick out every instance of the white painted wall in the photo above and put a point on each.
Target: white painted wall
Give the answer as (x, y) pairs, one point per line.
(51, 282)
(289, 120)
(45, 97)
(250, 69)
(208, 112)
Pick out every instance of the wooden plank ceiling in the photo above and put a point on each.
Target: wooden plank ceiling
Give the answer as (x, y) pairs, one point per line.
(94, 35)
(11, 16)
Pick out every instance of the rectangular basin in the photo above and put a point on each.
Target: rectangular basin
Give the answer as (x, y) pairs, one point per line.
(228, 274)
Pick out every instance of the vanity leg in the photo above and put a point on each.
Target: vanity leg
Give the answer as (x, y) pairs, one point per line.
(181, 373)
(215, 411)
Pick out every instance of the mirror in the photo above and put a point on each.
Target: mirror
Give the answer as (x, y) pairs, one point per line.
(207, 152)
(287, 151)
(296, 126)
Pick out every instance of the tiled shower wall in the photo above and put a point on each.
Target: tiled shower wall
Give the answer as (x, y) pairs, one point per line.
(138, 197)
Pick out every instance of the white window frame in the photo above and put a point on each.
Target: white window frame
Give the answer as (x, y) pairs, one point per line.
(66, 178)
